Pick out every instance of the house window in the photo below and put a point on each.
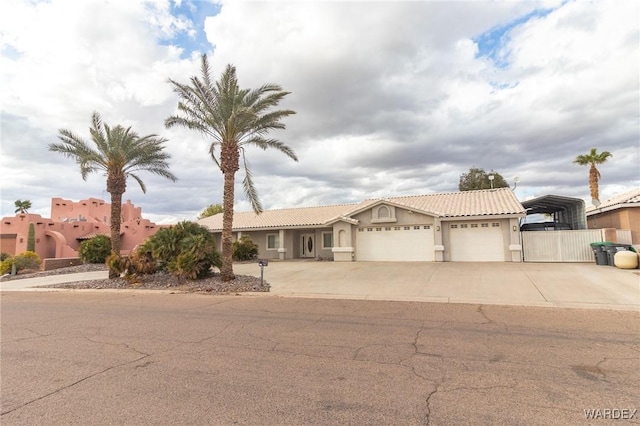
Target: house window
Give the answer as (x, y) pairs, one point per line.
(485, 225)
(495, 224)
(360, 229)
(273, 241)
(387, 228)
(378, 229)
(454, 226)
(416, 227)
(427, 227)
(464, 225)
(369, 229)
(474, 225)
(406, 228)
(327, 240)
(396, 228)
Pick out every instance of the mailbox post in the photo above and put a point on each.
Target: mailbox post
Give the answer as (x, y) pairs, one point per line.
(262, 263)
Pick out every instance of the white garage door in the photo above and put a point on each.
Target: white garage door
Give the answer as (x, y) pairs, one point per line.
(476, 242)
(395, 243)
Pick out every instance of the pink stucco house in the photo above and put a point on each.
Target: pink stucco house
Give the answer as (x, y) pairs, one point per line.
(71, 223)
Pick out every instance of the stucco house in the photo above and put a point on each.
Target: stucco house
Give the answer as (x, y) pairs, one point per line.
(457, 226)
(621, 212)
(70, 224)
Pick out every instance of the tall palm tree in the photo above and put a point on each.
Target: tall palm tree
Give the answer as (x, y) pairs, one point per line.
(592, 159)
(233, 118)
(22, 206)
(119, 153)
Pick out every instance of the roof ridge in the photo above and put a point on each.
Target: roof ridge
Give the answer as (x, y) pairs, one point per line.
(300, 208)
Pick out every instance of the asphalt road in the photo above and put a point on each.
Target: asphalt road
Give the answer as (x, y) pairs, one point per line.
(95, 358)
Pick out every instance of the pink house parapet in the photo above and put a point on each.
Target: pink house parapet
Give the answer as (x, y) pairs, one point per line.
(71, 223)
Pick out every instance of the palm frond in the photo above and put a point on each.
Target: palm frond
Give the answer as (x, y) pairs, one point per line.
(263, 144)
(249, 188)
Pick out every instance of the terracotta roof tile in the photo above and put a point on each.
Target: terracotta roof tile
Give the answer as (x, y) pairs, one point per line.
(296, 217)
(488, 202)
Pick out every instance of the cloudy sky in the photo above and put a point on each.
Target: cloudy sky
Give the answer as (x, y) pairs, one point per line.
(392, 98)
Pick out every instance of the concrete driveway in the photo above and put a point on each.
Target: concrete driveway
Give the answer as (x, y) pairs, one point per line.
(580, 285)
(566, 285)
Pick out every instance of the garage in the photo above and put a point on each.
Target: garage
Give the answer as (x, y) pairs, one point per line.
(414, 243)
(477, 241)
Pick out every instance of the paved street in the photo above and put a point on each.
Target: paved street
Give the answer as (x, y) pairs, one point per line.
(158, 358)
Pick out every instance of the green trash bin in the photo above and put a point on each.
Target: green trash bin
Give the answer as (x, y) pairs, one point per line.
(599, 252)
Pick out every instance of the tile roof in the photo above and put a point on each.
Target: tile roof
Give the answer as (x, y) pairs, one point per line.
(489, 202)
(282, 218)
(622, 200)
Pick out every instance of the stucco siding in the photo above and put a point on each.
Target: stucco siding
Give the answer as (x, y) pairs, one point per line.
(624, 218)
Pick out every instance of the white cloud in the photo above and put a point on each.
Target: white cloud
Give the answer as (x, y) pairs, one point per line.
(391, 98)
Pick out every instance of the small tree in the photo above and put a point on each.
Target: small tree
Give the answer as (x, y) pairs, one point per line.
(211, 210)
(478, 178)
(31, 238)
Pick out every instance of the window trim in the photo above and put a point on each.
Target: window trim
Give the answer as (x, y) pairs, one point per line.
(276, 240)
(322, 237)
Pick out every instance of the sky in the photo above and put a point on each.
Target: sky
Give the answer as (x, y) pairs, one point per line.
(391, 98)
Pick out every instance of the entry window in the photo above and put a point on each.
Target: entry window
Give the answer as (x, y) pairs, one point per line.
(273, 241)
(327, 240)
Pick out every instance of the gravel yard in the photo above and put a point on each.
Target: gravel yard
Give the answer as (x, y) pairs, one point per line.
(160, 281)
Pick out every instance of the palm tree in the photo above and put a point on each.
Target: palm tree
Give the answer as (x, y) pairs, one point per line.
(592, 159)
(22, 206)
(120, 153)
(233, 119)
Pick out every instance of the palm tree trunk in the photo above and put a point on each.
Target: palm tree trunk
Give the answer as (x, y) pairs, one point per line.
(116, 213)
(593, 182)
(226, 271)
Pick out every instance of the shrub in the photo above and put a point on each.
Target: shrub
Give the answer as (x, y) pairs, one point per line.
(4, 256)
(26, 260)
(187, 250)
(95, 250)
(245, 249)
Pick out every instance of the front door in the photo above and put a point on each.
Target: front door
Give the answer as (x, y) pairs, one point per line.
(308, 246)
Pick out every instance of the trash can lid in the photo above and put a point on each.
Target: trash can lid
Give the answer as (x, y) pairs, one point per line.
(600, 243)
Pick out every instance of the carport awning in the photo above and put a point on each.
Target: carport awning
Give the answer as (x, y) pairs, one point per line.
(564, 209)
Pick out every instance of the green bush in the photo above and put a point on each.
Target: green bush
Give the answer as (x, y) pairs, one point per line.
(4, 256)
(26, 260)
(186, 250)
(95, 250)
(245, 249)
